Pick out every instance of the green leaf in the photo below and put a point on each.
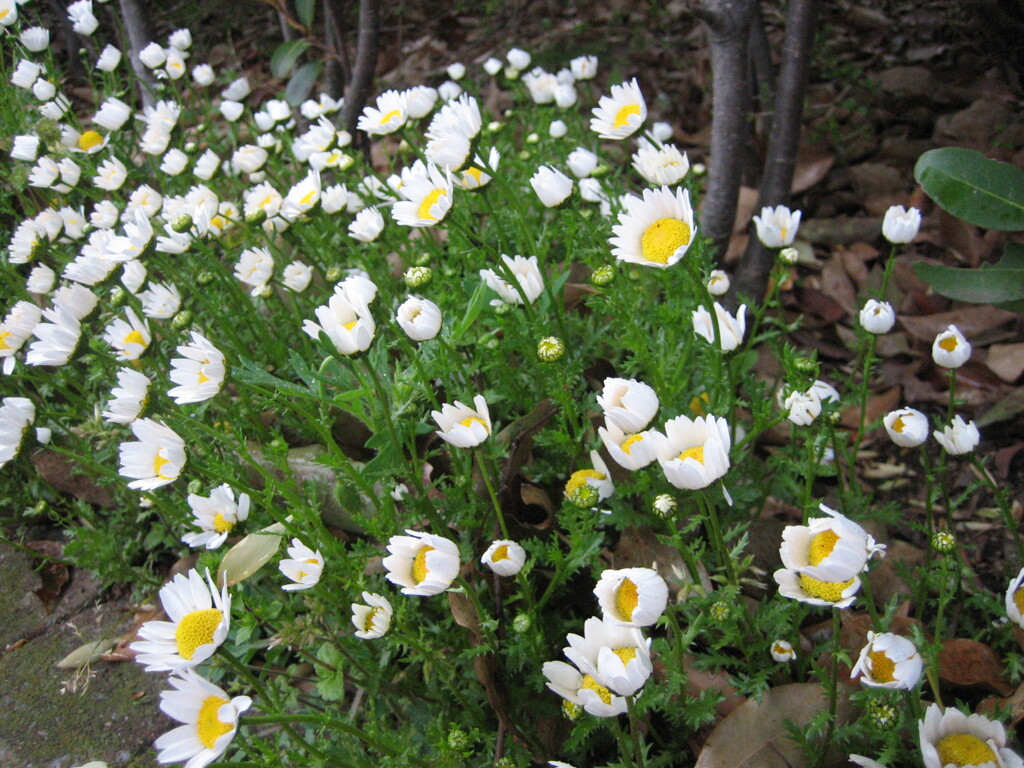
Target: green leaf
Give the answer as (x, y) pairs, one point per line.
(248, 372)
(302, 83)
(305, 10)
(475, 305)
(331, 673)
(980, 191)
(1001, 284)
(286, 55)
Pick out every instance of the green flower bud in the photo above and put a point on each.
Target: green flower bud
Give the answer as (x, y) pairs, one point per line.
(788, 256)
(183, 223)
(881, 714)
(256, 217)
(944, 542)
(664, 505)
(204, 278)
(118, 296)
(550, 349)
(603, 275)
(195, 486)
(521, 623)
(585, 496)
(418, 276)
(334, 274)
(807, 366)
(182, 320)
(458, 739)
(570, 710)
(720, 611)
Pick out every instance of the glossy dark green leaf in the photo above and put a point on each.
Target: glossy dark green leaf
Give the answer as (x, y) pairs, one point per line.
(302, 82)
(1001, 284)
(980, 191)
(286, 55)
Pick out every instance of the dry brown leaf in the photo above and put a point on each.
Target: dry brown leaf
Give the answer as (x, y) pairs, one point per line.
(465, 615)
(1006, 361)
(746, 206)
(970, 663)
(835, 281)
(1014, 702)
(755, 736)
(971, 321)
(877, 407)
(640, 548)
(54, 574)
(70, 476)
(699, 680)
(812, 165)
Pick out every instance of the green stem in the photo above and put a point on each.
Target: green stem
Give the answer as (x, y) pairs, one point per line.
(489, 482)
(714, 529)
(1004, 508)
(634, 732)
(833, 687)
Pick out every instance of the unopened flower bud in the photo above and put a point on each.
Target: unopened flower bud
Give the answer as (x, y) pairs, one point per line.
(603, 275)
(256, 217)
(585, 496)
(458, 739)
(521, 623)
(334, 274)
(118, 296)
(524, 155)
(418, 277)
(881, 714)
(944, 542)
(550, 349)
(204, 278)
(494, 126)
(720, 611)
(570, 710)
(532, 138)
(182, 320)
(788, 256)
(195, 486)
(183, 223)
(806, 365)
(664, 505)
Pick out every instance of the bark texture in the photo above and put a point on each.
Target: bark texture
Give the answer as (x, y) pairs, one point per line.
(728, 23)
(136, 24)
(784, 141)
(365, 64)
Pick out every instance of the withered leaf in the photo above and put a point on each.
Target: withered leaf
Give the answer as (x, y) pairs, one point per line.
(970, 663)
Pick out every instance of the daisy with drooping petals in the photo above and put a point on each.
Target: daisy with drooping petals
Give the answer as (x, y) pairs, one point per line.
(216, 515)
(655, 230)
(373, 619)
(419, 318)
(199, 372)
(694, 453)
(620, 115)
(616, 655)
(952, 738)
(199, 620)
(462, 426)
(16, 329)
(504, 557)
(346, 320)
(583, 690)
(526, 272)
(57, 339)
(660, 165)
(128, 398)
(633, 597)
(627, 403)
(304, 567)
(732, 328)
(388, 116)
(210, 720)
(428, 198)
(959, 437)
(777, 226)
(782, 651)
(889, 661)
(423, 564)
(16, 416)
(156, 459)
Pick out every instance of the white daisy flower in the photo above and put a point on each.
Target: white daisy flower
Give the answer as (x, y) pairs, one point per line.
(389, 115)
(694, 453)
(372, 617)
(16, 329)
(777, 227)
(654, 231)
(129, 337)
(297, 276)
(732, 328)
(16, 417)
(620, 115)
(504, 557)
(632, 597)
(110, 175)
(1014, 600)
(630, 450)
(583, 690)
(877, 317)
(57, 339)
(428, 198)
(462, 426)
(199, 372)
(200, 617)
(210, 720)
(255, 268)
(616, 655)
(303, 566)
(959, 437)
(951, 738)
(128, 398)
(160, 301)
(889, 661)
(216, 515)
(526, 272)
(419, 318)
(423, 564)
(367, 225)
(907, 427)
(347, 323)
(900, 225)
(664, 165)
(598, 478)
(156, 459)
(950, 348)
(782, 651)
(627, 403)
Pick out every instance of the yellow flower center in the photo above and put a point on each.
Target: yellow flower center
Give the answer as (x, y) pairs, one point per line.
(624, 113)
(221, 523)
(4, 335)
(135, 337)
(368, 622)
(419, 564)
(579, 478)
(469, 421)
(821, 546)
(389, 116)
(203, 378)
(267, 201)
(350, 326)
(781, 649)
(432, 197)
(663, 238)
(883, 669)
(693, 453)
(628, 443)
(626, 654)
(1018, 599)
(219, 222)
(476, 173)
(949, 343)
(307, 199)
(627, 597)
(898, 426)
(830, 591)
(591, 684)
(501, 553)
(964, 749)
(159, 462)
(209, 727)
(88, 140)
(196, 629)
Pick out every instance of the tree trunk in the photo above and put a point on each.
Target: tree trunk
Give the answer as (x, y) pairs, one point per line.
(139, 36)
(365, 64)
(752, 275)
(728, 23)
(336, 67)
